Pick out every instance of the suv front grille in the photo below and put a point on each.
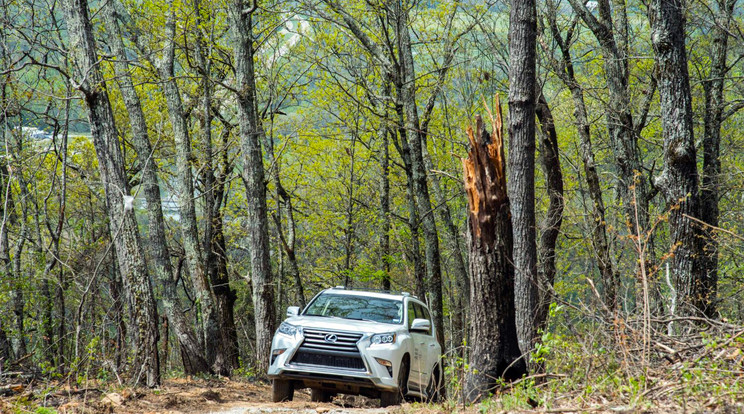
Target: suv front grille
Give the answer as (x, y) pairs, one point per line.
(331, 349)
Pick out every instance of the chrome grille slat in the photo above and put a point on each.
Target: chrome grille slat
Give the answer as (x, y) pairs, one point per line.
(343, 353)
(345, 341)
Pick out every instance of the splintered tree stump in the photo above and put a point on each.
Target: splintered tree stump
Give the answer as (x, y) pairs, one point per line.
(493, 336)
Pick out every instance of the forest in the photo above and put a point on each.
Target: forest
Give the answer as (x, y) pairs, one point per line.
(561, 181)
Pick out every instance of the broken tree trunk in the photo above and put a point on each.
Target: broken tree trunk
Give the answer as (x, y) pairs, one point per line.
(493, 335)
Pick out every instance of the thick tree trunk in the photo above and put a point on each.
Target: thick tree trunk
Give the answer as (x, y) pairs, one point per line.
(710, 191)
(678, 181)
(123, 225)
(522, 86)
(193, 361)
(551, 164)
(493, 337)
(251, 132)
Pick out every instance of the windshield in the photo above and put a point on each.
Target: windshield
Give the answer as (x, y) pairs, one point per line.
(356, 307)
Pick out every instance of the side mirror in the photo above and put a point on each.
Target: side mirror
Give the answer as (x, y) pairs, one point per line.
(293, 311)
(420, 325)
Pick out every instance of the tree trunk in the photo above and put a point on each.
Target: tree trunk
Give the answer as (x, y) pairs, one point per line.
(522, 86)
(453, 238)
(710, 191)
(194, 361)
(384, 215)
(401, 145)
(565, 70)
(214, 252)
(16, 275)
(4, 347)
(551, 164)
(251, 132)
(421, 187)
(493, 337)
(678, 181)
(209, 333)
(611, 31)
(115, 287)
(284, 204)
(226, 296)
(123, 225)
(9, 218)
(349, 232)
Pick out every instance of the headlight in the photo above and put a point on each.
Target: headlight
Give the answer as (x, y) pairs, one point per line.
(288, 329)
(386, 338)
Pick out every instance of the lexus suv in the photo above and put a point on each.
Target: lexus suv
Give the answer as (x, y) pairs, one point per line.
(381, 345)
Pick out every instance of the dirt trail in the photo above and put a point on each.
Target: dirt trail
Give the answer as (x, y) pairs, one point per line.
(180, 396)
(291, 408)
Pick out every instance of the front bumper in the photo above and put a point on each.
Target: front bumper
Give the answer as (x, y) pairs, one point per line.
(368, 380)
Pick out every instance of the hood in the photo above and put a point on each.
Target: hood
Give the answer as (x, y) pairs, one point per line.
(341, 324)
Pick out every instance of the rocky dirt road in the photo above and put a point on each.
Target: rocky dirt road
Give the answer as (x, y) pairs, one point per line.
(178, 396)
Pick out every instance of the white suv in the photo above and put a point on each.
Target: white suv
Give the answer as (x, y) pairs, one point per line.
(357, 342)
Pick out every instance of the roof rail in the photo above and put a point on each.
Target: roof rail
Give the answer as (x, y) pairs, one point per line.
(376, 290)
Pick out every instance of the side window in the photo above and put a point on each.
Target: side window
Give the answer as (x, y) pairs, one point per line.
(411, 314)
(423, 313)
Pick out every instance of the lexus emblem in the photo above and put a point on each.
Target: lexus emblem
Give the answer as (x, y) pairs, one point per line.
(331, 338)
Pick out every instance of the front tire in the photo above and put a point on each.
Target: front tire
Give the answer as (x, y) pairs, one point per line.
(282, 390)
(388, 398)
(433, 389)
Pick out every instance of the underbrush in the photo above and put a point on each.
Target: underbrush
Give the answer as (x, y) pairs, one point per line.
(622, 364)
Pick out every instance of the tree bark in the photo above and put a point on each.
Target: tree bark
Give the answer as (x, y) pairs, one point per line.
(401, 145)
(349, 232)
(209, 332)
(214, 252)
(565, 70)
(16, 275)
(495, 350)
(123, 225)
(4, 347)
(710, 191)
(421, 187)
(384, 215)
(551, 164)
(459, 268)
(611, 31)
(522, 82)
(251, 132)
(191, 351)
(678, 181)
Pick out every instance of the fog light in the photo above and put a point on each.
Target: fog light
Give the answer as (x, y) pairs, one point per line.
(387, 364)
(275, 353)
